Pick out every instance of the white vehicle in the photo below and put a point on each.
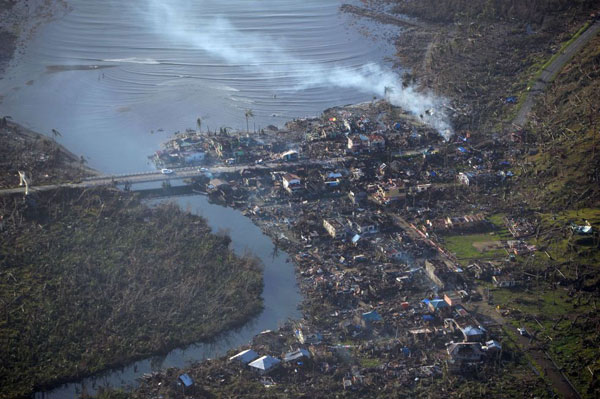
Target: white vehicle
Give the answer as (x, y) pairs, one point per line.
(523, 331)
(166, 171)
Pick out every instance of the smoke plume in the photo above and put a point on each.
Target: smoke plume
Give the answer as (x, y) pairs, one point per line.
(267, 56)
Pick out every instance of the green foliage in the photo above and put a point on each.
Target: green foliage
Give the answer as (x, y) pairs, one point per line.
(464, 246)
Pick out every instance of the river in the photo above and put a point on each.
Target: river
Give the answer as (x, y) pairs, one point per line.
(116, 78)
(280, 295)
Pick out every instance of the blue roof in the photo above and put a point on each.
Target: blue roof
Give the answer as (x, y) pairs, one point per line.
(438, 303)
(371, 316)
(186, 379)
(470, 330)
(428, 317)
(295, 355)
(265, 363)
(245, 356)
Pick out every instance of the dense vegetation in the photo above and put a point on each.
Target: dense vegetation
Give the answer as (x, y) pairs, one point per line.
(93, 278)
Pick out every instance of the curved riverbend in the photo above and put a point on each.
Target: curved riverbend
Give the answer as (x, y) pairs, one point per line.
(280, 295)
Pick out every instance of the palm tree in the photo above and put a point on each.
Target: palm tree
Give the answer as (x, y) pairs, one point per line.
(55, 134)
(248, 114)
(82, 162)
(199, 124)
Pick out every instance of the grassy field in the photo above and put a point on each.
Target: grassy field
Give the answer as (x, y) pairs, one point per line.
(468, 247)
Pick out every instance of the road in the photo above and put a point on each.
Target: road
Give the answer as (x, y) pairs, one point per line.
(177, 173)
(187, 173)
(551, 70)
(560, 383)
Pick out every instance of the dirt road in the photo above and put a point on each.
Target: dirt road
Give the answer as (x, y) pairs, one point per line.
(560, 383)
(550, 72)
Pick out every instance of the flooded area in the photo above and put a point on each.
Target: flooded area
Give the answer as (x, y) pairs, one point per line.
(116, 78)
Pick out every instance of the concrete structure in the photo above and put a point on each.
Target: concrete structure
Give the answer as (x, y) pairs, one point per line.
(292, 183)
(435, 270)
(452, 298)
(335, 228)
(465, 351)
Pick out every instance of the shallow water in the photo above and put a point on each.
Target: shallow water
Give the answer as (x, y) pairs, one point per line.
(109, 73)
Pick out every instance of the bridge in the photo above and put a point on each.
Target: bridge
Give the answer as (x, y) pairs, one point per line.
(188, 173)
(172, 174)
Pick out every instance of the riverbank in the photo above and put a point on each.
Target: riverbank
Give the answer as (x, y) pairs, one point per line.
(94, 279)
(43, 159)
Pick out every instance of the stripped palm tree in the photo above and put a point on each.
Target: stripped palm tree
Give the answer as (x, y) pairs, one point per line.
(55, 134)
(248, 114)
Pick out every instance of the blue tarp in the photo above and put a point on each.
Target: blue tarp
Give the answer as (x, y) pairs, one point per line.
(371, 316)
(406, 351)
(186, 379)
(462, 149)
(438, 303)
(428, 317)
(511, 100)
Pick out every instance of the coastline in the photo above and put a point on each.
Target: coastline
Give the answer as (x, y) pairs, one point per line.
(25, 149)
(329, 272)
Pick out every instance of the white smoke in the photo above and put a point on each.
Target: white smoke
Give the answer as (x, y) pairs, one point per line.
(267, 56)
